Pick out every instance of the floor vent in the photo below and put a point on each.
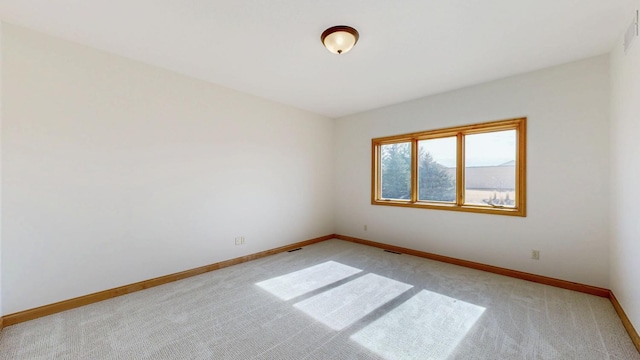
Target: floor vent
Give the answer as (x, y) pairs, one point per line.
(294, 250)
(393, 252)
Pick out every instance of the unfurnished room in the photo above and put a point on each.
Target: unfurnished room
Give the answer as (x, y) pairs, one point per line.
(381, 180)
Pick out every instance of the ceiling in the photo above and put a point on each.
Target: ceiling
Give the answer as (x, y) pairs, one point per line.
(271, 48)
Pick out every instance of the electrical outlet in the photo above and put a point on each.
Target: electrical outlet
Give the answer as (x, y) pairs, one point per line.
(239, 240)
(365, 227)
(535, 254)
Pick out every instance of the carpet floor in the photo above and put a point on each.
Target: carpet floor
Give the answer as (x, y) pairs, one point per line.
(333, 300)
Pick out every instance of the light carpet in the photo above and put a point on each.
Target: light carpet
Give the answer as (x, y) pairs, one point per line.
(370, 305)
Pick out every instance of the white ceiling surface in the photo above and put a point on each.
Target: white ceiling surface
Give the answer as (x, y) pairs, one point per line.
(271, 48)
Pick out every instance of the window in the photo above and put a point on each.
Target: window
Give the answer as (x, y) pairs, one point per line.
(476, 168)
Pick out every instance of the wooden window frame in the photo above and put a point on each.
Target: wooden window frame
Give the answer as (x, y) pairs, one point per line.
(518, 124)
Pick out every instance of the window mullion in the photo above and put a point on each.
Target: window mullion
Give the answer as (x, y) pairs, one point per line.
(414, 170)
(460, 171)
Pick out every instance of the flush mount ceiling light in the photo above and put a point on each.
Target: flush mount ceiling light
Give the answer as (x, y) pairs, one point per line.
(339, 39)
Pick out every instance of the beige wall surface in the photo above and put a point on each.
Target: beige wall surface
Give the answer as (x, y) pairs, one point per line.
(567, 174)
(625, 176)
(117, 172)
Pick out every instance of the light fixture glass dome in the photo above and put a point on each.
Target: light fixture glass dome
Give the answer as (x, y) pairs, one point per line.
(339, 39)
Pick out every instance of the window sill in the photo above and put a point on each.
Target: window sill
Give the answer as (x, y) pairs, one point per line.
(453, 207)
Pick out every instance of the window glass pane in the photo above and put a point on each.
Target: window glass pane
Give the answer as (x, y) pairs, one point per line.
(490, 168)
(395, 176)
(437, 169)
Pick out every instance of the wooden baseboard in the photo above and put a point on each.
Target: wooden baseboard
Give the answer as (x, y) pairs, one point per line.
(50, 309)
(489, 268)
(625, 321)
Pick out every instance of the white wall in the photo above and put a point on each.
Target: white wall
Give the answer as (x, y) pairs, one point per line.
(568, 152)
(116, 172)
(625, 176)
(1, 311)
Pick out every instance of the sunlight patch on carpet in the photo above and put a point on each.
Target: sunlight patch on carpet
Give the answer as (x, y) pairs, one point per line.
(350, 302)
(427, 326)
(300, 282)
